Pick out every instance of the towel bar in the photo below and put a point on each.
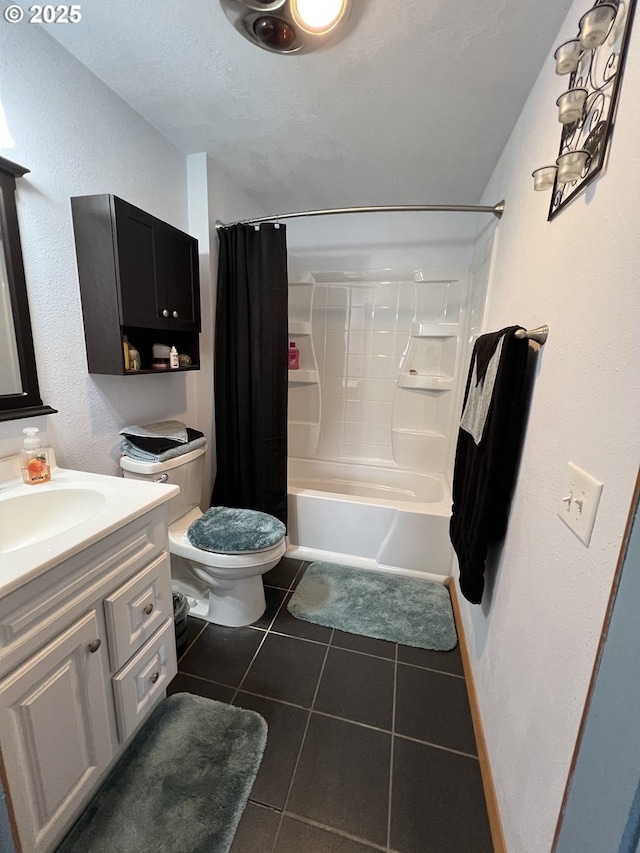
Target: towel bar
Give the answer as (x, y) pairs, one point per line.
(539, 335)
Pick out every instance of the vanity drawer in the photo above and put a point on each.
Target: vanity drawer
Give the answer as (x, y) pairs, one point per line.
(141, 683)
(136, 610)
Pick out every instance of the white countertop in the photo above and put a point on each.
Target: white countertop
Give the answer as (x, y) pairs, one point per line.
(102, 503)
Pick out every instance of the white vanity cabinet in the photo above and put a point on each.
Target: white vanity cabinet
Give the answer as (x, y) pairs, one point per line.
(87, 650)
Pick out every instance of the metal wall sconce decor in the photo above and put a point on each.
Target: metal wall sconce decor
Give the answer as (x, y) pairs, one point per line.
(594, 61)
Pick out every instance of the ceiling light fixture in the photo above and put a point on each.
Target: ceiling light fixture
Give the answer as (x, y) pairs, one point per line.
(318, 16)
(287, 26)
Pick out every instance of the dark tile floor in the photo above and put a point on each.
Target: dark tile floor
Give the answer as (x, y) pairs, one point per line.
(370, 743)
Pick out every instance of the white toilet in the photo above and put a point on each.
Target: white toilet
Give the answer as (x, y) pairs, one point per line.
(224, 588)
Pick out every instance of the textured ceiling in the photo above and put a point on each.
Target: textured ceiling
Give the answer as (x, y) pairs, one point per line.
(412, 106)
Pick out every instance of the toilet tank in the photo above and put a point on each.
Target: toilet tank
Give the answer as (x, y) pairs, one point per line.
(186, 471)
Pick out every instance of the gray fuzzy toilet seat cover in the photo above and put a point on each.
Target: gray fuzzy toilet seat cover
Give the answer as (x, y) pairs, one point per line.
(235, 531)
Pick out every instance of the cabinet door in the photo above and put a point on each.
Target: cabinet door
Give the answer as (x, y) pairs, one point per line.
(55, 732)
(138, 266)
(181, 279)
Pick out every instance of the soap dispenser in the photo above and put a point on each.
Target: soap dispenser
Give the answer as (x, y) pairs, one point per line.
(34, 460)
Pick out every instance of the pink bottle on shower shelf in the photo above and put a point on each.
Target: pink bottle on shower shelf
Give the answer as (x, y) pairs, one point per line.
(294, 356)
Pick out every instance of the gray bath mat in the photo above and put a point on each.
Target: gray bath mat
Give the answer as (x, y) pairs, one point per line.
(410, 611)
(182, 785)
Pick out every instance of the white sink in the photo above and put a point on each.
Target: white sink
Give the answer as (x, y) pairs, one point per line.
(42, 525)
(36, 516)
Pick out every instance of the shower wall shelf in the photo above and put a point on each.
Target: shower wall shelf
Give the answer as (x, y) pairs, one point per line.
(426, 382)
(428, 378)
(296, 327)
(418, 433)
(435, 330)
(304, 399)
(430, 361)
(303, 377)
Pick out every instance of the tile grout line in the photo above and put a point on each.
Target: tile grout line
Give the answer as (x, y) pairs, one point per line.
(279, 608)
(363, 654)
(304, 737)
(246, 672)
(271, 630)
(267, 631)
(438, 746)
(353, 651)
(352, 722)
(197, 637)
(393, 734)
(294, 636)
(370, 845)
(206, 680)
(431, 669)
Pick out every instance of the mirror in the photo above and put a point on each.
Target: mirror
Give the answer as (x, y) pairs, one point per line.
(19, 392)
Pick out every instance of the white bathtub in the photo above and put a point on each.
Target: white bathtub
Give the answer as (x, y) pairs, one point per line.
(369, 517)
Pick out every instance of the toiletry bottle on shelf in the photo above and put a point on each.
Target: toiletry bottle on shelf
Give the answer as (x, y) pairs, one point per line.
(173, 358)
(294, 356)
(34, 460)
(134, 358)
(125, 351)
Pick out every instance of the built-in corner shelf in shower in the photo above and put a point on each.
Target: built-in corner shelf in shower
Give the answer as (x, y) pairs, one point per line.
(304, 384)
(296, 327)
(430, 361)
(303, 377)
(426, 382)
(424, 391)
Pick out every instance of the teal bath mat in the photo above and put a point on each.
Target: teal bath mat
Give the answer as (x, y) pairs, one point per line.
(410, 611)
(182, 785)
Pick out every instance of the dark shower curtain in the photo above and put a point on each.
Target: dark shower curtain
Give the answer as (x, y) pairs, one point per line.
(250, 369)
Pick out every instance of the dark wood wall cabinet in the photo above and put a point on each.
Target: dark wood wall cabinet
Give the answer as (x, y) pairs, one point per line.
(138, 278)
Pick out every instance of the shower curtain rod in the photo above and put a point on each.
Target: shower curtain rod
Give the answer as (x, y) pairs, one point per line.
(496, 209)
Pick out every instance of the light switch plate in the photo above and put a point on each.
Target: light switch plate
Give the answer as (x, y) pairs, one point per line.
(579, 501)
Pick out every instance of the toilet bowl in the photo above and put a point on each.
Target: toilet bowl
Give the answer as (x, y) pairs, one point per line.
(232, 582)
(223, 588)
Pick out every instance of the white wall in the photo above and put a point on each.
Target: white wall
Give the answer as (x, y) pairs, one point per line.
(77, 137)
(533, 640)
(380, 241)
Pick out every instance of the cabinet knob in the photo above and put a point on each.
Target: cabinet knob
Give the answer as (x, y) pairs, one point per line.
(148, 608)
(165, 313)
(94, 646)
(155, 677)
(175, 315)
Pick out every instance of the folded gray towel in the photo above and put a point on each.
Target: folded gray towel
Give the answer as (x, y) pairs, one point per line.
(174, 430)
(133, 452)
